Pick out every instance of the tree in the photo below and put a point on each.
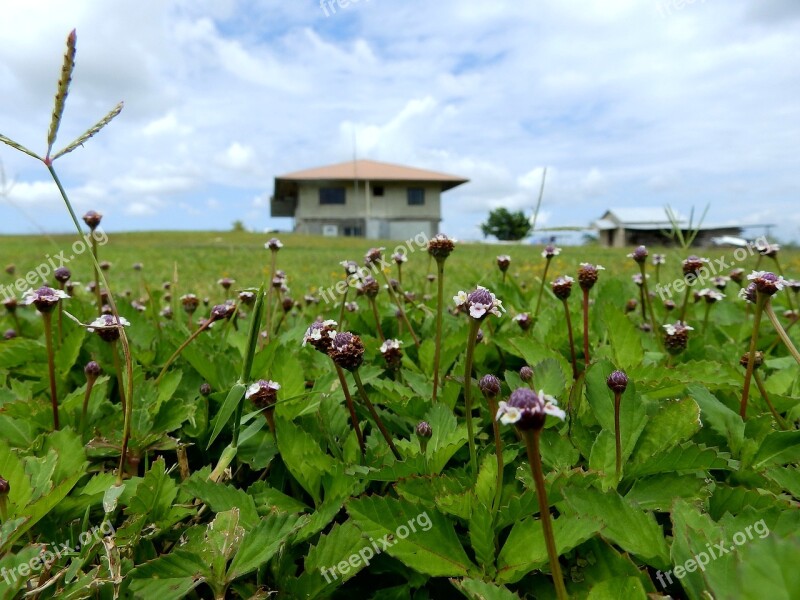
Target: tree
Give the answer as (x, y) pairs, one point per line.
(506, 225)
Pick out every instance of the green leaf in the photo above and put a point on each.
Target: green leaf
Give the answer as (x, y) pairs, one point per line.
(778, 448)
(720, 418)
(625, 340)
(448, 437)
(629, 588)
(632, 529)
(154, 495)
(475, 589)
(423, 540)
(67, 354)
(260, 544)
(303, 457)
(19, 351)
(676, 421)
(525, 548)
(221, 498)
(548, 376)
(222, 539)
(685, 458)
(170, 576)
(660, 491)
(235, 395)
(481, 537)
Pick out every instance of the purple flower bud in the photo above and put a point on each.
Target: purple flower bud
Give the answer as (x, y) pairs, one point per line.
(587, 275)
(562, 287)
(9, 334)
(527, 410)
(92, 370)
(62, 274)
(92, 219)
(374, 256)
(524, 321)
(11, 269)
(639, 255)
(676, 337)
(222, 311)
(347, 350)
(526, 374)
(226, 283)
(617, 382)
(205, 389)
(5, 487)
(503, 262)
(274, 244)
(263, 393)
(692, 265)
(440, 246)
(424, 430)
(490, 386)
(757, 362)
(105, 265)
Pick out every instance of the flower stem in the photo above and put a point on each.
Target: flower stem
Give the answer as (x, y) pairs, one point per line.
(97, 293)
(438, 346)
(377, 319)
(376, 417)
(84, 409)
(761, 300)
(534, 458)
(685, 303)
(781, 331)
(269, 296)
(617, 435)
(586, 327)
(498, 449)
(472, 338)
(118, 369)
(51, 369)
(760, 384)
(647, 299)
(571, 340)
(351, 408)
(177, 352)
(401, 309)
(541, 290)
(341, 308)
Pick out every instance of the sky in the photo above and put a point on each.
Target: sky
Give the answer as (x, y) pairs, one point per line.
(627, 103)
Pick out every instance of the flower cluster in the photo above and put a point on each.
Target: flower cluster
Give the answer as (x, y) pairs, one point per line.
(479, 303)
(587, 275)
(263, 393)
(527, 410)
(766, 282)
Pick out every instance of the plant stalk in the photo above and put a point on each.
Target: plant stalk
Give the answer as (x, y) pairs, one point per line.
(51, 368)
(351, 409)
(781, 331)
(761, 300)
(571, 340)
(376, 417)
(437, 353)
(472, 337)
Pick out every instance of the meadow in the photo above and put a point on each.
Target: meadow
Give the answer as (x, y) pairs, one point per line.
(528, 464)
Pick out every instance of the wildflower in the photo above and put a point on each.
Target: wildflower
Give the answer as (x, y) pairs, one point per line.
(524, 321)
(503, 262)
(562, 287)
(669, 305)
(617, 382)
(5, 487)
(11, 305)
(190, 302)
(399, 258)
(526, 374)
(639, 255)
(92, 370)
(767, 249)
(92, 219)
(440, 247)
(62, 274)
(490, 386)
(205, 389)
(263, 393)
(9, 334)
(350, 267)
(550, 251)
(139, 307)
(374, 256)
(226, 283)
(431, 277)
(720, 282)
(107, 327)
(587, 275)
(105, 265)
(638, 279)
(758, 359)
(44, 299)
(392, 354)
(351, 307)
(527, 410)
(310, 299)
(137, 266)
(659, 259)
(737, 275)
(748, 293)
(347, 350)
(222, 311)
(166, 312)
(710, 296)
(766, 282)
(320, 334)
(287, 304)
(676, 337)
(631, 305)
(423, 430)
(793, 284)
(11, 269)
(480, 303)
(274, 244)
(693, 264)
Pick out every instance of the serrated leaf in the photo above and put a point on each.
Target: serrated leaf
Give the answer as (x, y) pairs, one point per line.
(481, 537)
(221, 497)
(432, 548)
(526, 550)
(260, 544)
(154, 495)
(720, 418)
(778, 448)
(475, 589)
(170, 576)
(685, 458)
(675, 421)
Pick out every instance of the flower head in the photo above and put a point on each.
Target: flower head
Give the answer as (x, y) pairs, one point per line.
(273, 244)
(524, 321)
(764, 248)
(92, 370)
(374, 256)
(263, 393)
(222, 311)
(562, 287)
(659, 259)
(710, 296)
(92, 219)
(748, 293)
(440, 246)
(347, 350)
(490, 386)
(320, 334)
(392, 354)
(62, 274)
(44, 299)
(737, 275)
(638, 279)
(107, 327)
(526, 374)
(399, 257)
(766, 282)
(676, 337)
(757, 362)
(369, 286)
(550, 251)
(720, 282)
(423, 430)
(226, 282)
(617, 382)
(527, 410)
(693, 265)
(247, 298)
(9, 334)
(190, 302)
(639, 255)
(479, 302)
(587, 275)
(503, 262)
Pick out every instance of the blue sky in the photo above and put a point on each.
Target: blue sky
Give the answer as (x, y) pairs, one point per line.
(626, 102)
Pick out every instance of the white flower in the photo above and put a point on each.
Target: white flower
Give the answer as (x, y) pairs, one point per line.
(596, 267)
(107, 322)
(550, 251)
(461, 298)
(45, 294)
(258, 386)
(390, 345)
(507, 415)
(779, 283)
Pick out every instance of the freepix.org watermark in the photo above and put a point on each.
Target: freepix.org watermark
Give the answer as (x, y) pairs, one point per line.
(714, 268)
(411, 245)
(47, 557)
(38, 275)
(329, 6)
(367, 553)
(715, 551)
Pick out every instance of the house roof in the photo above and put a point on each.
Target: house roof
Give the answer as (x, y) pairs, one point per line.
(371, 170)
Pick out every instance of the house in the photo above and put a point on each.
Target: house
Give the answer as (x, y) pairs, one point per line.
(622, 227)
(363, 198)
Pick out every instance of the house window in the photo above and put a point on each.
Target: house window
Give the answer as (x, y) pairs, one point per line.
(354, 231)
(331, 196)
(416, 196)
(378, 191)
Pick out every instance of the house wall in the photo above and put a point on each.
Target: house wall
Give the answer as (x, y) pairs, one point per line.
(390, 216)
